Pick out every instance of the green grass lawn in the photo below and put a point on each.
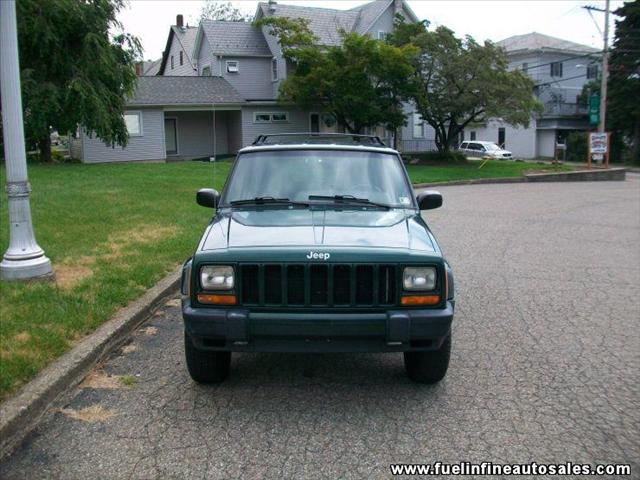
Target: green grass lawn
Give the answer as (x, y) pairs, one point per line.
(112, 231)
(469, 171)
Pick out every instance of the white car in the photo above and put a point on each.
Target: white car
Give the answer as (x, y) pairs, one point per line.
(484, 150)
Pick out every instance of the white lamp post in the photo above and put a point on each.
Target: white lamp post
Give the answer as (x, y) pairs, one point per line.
(24, 259)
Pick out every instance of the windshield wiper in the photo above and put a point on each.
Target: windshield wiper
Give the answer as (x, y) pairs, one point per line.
(267, 201)
(349, 199)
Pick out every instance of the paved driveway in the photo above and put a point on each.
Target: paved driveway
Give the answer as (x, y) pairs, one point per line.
(545, 367)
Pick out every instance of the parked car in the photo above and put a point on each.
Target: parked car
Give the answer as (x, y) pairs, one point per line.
(484, 150)
(318, 245)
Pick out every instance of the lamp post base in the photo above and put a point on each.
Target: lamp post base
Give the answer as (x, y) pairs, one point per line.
(38, 268)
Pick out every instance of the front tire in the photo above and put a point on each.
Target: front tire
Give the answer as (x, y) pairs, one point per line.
(205, 366)
(428, 367)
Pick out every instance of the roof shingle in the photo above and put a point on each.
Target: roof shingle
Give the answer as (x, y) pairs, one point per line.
(326, 23)
(183, 90)
(539, 41)
(235, 38)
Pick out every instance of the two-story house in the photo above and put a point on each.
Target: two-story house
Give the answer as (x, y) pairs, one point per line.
(217, 85)
(559, 69)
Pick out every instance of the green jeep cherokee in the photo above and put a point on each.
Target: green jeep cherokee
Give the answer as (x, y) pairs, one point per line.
(317, 245)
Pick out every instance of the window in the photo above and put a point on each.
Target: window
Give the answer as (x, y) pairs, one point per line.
(206, 71)
(418, 126)
(556, 69)
(374, 175)
(181, 60)
(592, 72)
(472, 136)
(233, 66)
(270, 117)
(274, 69)
(525, 66)
(171, 62)
(382, 35)
(133, 121)
(463, 145)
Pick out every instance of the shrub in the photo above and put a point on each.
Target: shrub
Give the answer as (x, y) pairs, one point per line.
(436, 157)
(577, 148)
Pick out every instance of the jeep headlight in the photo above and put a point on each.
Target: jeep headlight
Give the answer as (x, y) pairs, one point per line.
(419, 278)
(217, 277)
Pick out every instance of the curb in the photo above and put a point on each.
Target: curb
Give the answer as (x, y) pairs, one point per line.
(475, 181)
(20, 414)
(610, 175)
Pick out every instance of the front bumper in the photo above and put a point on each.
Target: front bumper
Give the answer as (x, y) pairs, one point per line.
(242, 330)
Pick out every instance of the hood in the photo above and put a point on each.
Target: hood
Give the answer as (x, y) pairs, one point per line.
(396, 228)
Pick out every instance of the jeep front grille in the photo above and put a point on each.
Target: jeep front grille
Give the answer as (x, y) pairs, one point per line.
(318, 285)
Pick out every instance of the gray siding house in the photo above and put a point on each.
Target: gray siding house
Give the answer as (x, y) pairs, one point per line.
(217, 86)
(560, 69)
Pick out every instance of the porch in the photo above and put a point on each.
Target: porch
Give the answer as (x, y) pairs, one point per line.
(190, 134)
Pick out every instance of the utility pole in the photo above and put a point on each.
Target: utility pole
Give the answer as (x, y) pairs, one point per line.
(605, 63)
(605, 72)
(24, 259)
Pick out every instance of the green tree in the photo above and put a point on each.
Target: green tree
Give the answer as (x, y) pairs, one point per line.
(458, 82)
(362, 82)
(623, 106)
(212, 10)
(74, 70)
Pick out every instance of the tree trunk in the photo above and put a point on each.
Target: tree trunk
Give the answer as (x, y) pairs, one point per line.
(635, 144)
(44, 146)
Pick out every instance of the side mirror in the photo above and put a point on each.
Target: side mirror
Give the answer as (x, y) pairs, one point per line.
(429, 200)
(208, 197)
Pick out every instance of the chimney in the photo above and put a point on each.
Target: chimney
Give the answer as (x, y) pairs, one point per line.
(179, 21)
(139, 68)
(272, 5)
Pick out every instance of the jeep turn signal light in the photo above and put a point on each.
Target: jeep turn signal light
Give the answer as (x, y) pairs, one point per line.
(410, 300)
(216, 299)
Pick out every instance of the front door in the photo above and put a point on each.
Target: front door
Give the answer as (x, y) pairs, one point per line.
(170, 136)
(322, 123)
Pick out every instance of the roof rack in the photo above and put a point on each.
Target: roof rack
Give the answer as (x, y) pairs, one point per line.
(319, 138)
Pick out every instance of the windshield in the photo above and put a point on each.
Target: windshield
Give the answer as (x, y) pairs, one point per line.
(491, 146)
(298, 174)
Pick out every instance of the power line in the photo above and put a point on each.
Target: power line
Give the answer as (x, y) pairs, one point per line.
(560, 80)
(561, 60)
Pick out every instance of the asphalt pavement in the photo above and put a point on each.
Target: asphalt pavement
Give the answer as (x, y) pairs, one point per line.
(545, 367)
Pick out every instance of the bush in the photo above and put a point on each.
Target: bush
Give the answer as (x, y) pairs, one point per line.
(577, 148)
(436, 157)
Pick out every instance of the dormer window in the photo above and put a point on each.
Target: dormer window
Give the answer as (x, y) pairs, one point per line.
(233, 66)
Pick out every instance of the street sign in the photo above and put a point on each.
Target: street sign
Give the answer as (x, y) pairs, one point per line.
(594, 108)
(598, 143)
(598, 148)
